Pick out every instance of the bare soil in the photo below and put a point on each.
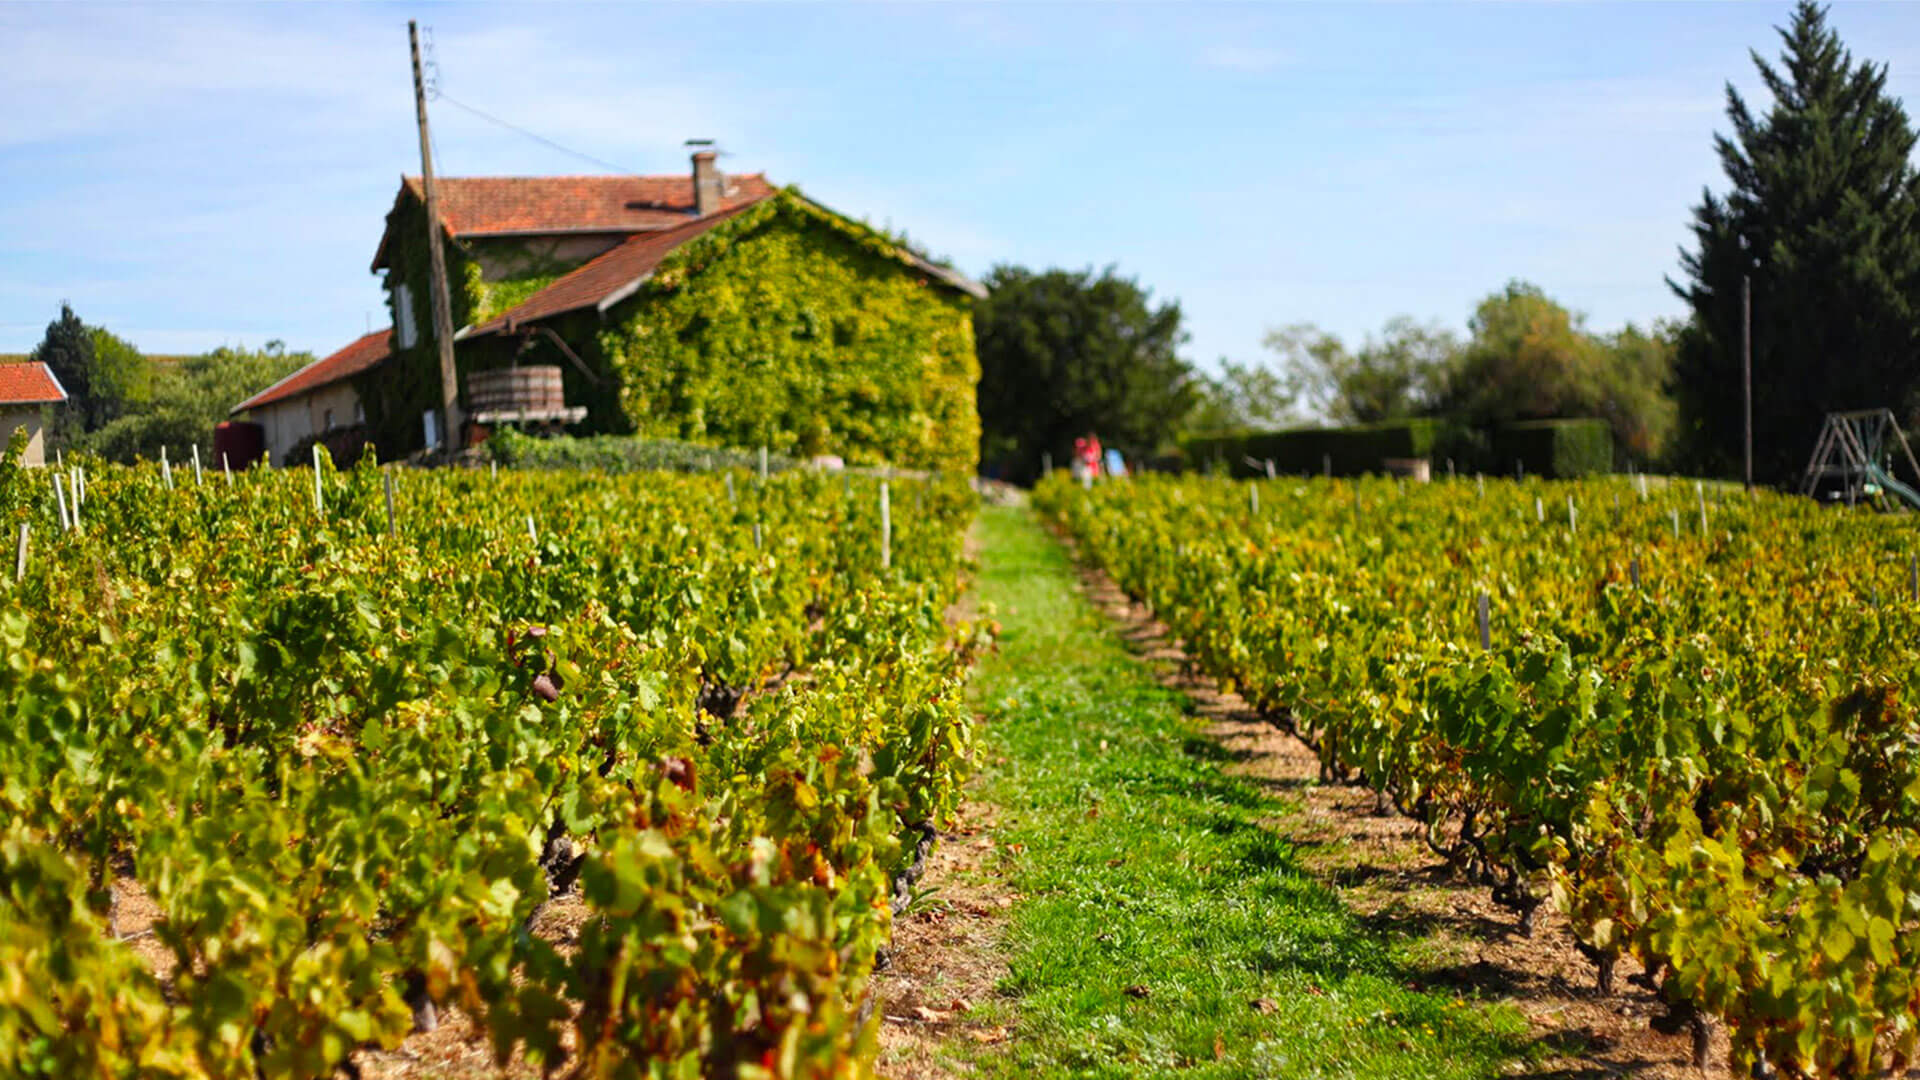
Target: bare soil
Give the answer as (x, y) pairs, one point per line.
(1458, 938)
(945, 961)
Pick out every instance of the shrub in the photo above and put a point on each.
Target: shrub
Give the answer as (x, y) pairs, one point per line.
(622, 454)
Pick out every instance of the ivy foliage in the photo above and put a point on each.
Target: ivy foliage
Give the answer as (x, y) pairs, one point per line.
(796, 329)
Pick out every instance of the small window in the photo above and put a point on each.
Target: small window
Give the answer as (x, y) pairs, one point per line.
(403, 327)
(359, 412)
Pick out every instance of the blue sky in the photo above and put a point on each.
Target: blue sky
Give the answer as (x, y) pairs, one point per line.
(192, 175)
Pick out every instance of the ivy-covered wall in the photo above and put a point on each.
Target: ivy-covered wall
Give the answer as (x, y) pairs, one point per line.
(786, 326)
(793, 328)
(396, 393)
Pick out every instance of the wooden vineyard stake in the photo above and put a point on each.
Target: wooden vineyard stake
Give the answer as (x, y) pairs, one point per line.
(1539, 511)
(319, 503)
(1253, 500)
(886, 529)
(1480, 615)
(1701, 492)
(1449, 468)
(730, 496)
(1480, 484)
(1633, 571)
(196, 464)
(1046, 463)
(1641, 478)
(166, 470)
(756, 535)
(60, 500)
(846, 485)
(1573, 518)
(226, 468)
(20, 553)
(386, 481)
(533, 534)
(763, 464)
(1676, 522)
(1271, 473)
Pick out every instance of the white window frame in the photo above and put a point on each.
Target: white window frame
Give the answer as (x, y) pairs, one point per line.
(406, 331)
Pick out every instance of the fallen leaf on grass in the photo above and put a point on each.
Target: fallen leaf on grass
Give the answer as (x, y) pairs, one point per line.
(1219, 1049)
(929, 1016)
(960, 1005)
(1265, 1006)
(1138, 991)
(988, 1036)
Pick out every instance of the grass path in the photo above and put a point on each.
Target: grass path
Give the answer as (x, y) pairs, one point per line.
(1160, 926)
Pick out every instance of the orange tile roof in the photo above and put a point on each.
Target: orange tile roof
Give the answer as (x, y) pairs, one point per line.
(31, 383)
(365, 353)
(604, 275)
(473, 206)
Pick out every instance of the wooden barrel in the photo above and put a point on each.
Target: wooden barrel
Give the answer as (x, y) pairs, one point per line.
(536, 389)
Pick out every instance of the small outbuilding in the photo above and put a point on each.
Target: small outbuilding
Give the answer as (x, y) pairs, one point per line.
(25, 389)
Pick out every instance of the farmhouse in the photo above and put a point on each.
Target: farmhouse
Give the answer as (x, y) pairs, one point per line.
(24, 390)
(705, 307)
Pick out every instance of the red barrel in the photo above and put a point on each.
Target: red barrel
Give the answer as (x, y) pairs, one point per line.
(242, 441)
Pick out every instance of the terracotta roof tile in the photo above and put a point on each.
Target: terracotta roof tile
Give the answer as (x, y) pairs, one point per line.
(31, 383)
(482, 205)
(604, 275)
(366, 352)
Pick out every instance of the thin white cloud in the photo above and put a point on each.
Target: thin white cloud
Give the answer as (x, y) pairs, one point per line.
(1247, 59)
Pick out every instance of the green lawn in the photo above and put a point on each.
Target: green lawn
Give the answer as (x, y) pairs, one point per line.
(1161, 927)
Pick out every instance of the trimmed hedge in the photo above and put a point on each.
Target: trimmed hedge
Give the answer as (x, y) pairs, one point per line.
(1349, 451)
(1557, 449)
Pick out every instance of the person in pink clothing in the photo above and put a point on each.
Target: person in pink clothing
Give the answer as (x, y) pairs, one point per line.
(1089, 448)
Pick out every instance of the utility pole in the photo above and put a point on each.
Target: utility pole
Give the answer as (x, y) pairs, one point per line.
(437, 258)
(1746, 370)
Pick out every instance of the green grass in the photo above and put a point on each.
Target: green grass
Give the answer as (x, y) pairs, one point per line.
(1157, 910)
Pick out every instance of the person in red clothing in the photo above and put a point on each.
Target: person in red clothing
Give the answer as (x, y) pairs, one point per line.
(1089, 448)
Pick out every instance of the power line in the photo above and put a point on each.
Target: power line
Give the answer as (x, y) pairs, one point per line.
(541, 139)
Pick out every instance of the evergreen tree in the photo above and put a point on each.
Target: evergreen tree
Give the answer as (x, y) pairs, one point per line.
(1822, 216)
(67, 350)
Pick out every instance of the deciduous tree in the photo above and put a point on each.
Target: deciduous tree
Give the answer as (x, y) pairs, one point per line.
(1063, 353)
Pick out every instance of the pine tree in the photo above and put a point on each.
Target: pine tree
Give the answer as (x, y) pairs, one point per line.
(68, 351)
(1824, 217)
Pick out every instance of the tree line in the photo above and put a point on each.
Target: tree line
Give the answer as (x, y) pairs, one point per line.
(123, 405)
(1820, 222)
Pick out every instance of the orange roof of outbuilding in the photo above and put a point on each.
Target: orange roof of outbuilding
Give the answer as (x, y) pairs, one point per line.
(31, 383)
(365, 353)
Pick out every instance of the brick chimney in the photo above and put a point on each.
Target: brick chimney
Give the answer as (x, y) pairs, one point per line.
(708, 185)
